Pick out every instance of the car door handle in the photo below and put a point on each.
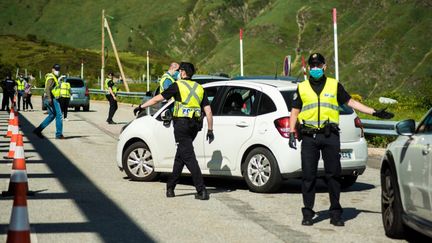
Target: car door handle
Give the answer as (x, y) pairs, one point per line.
(427, 150)
(242, 124)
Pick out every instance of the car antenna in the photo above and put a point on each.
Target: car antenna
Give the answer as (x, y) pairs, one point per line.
(276, 70)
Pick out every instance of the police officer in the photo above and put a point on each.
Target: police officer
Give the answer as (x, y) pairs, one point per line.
(316, 107)
(51, 96)
(8, 86)
(65, 94)
(111, 92)
(20, 88)
(190, 100)
(169, 77)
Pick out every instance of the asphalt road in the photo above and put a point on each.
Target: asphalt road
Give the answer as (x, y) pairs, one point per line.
(81, 196)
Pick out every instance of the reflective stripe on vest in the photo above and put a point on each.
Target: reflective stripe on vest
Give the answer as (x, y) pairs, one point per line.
(114, 88)
(191, 95)
(318, 110)
(162, 81)
(65, 89)
(20, 84)
(56, 90)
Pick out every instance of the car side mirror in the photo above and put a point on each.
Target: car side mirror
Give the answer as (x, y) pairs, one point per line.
(405, 127)
(166, 115)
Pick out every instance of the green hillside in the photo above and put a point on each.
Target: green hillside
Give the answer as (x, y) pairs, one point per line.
(383, 45)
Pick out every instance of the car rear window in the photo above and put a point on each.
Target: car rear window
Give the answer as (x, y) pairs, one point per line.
(76, 83)
(288, 97)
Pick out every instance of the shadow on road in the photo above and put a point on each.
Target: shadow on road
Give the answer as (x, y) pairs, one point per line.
(103, 216)
(348, 214)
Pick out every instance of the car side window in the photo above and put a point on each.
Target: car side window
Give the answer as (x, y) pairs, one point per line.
(240, 102)
(266, 105)
(212, 93)
(426, 125)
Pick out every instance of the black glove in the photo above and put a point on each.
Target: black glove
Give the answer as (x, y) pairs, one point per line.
(292, 141)
(210, 136)
(383, 114)
(137, 110)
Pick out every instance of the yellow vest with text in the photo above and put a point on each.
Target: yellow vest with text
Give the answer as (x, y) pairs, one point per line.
(20, 84)
(162, 80)
(318, 110)
(65, 89)
(114, 88)
(56, 90)
(191, 95)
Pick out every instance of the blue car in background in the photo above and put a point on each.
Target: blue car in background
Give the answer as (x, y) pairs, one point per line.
(80, 96)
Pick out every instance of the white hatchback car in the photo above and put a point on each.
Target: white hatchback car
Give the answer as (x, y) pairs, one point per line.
(251, 127)
(406, 179)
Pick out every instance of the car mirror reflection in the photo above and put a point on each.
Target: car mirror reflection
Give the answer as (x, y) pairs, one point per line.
(405, 127)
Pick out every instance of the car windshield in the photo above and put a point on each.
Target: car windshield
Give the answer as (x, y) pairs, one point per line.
(288, 97)
(76, 83)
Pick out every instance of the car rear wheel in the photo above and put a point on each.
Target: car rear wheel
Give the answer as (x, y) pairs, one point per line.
(391, 207)
(261, 171)
(77, 108)
(86, 108)
(138, 162)
(348, 180)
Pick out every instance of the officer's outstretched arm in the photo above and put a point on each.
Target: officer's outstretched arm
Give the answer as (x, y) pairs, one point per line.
(158, 98)
(209, 116)
(360, 107)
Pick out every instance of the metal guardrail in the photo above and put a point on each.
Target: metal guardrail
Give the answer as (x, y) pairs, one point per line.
(377, 127)
(373, 127)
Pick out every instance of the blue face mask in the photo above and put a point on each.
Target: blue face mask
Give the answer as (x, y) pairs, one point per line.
(176, 75)
(316, 72)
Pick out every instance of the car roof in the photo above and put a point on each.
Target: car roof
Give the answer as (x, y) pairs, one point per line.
(208, 77)
(279, 84)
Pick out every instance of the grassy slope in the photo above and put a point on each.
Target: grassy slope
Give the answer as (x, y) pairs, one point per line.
(383, 45)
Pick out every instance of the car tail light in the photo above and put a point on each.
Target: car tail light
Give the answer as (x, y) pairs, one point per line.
(87, 92)
(358, 123)
(283, 126)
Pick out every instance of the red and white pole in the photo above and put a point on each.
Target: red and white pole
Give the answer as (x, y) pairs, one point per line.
(241, 52)
(336, 44)
(304, 68)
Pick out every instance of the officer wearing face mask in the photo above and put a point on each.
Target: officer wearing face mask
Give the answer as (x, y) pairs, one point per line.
(315, 108)
(51, 96)
(169, 77)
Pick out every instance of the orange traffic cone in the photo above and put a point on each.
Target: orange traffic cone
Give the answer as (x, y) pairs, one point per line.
(12, 127)
(12, 113)
(12, 146)
(19, 170)
(19, 226)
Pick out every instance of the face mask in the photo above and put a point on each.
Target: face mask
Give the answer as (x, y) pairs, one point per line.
(176, 75)
(56, 73)
(316, 72)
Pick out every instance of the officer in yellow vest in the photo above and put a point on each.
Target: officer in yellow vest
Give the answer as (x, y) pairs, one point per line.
(190, 100)
(169, 77)
(20, 89)
(65, 94)
(111, 92)
(316, 107)
(51, 96)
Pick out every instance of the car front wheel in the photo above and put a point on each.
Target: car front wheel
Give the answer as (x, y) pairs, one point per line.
(138, 162)
(261, 171)
(391, 207)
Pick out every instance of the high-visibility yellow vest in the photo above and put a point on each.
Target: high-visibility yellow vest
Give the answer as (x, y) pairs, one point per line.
(191, 95)
(56, 90)
(317, 110)
(114, 88)
(162, 80)
(20, 84)
(65, 89)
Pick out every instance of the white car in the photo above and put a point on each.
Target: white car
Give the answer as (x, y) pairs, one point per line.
(406, 179)
(251, 127)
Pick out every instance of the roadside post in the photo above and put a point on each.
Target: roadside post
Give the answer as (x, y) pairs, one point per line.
(335, 44)
(241, 52)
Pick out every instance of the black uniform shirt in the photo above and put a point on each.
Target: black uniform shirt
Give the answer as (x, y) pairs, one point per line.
(173, 91)
(9, 85)
(318, 85)
(110, 83)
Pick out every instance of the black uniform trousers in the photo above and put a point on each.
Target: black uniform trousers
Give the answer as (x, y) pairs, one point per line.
(64, 105)
(185, 131)
(113, 107)
(329, 147)
(7, 95)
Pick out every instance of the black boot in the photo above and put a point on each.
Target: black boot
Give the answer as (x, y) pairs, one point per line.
(170, 192)
(337, 221)
(202, 195)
